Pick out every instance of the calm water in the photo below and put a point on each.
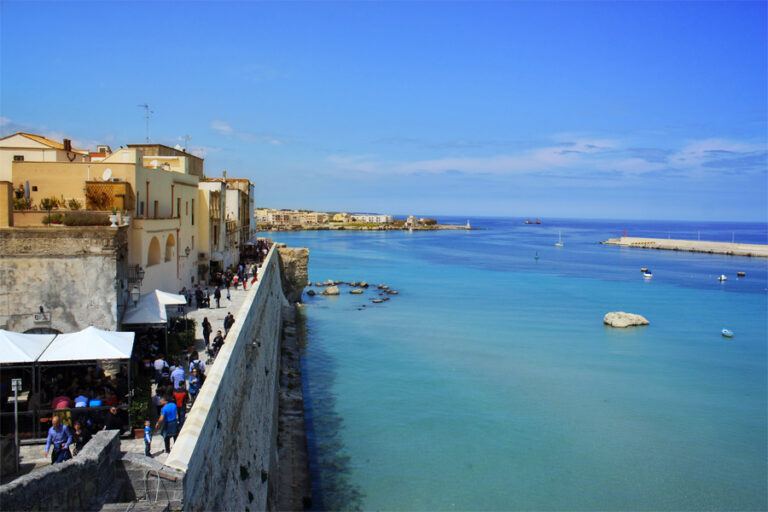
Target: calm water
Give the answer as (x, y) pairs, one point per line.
(490, 383)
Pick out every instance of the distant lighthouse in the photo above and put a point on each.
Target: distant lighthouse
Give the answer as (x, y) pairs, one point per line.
(468, 226)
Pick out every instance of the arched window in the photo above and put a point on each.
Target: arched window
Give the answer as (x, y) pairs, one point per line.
(170, 244)
(153, 258)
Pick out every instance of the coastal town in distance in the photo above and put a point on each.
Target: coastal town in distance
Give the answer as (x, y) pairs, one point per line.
(293, 220)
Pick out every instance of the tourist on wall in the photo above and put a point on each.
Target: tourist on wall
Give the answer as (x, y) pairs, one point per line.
(180, 398)
(229, 321)
(194, 385)
(113, 421)
(218, 341)
(207, 328)
(60, 437)
(177, 377)
(147, 439)
(169, 419)
(80, 437)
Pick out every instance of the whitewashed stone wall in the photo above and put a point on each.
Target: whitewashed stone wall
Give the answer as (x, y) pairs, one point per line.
(70, 271)
(227, 448)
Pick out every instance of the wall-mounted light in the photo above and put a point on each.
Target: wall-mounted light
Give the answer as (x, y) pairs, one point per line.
(187, 251)
(135, 293)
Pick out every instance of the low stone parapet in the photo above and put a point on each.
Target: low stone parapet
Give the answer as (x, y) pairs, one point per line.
(81, 483)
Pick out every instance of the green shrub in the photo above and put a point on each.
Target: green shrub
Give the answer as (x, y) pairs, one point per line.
(86, 219)
(74, 204)
(22, 203)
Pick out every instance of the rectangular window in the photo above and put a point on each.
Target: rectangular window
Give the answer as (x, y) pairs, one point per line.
(157, 208)
(141, 208)
(178, 207)
(193, 212)
(18, 158)
(186, 207)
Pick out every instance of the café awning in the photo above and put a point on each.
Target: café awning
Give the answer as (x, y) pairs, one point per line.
(16, 347)
(89, 344)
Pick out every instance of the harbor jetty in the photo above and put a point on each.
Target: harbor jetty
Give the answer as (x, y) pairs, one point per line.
(731, 249)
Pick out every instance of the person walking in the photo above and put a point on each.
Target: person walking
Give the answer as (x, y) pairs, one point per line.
(217, 296)
(229, 321)
(60, 437)
(207, 328)
(169, 419)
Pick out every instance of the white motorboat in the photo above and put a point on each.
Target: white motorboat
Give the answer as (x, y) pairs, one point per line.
(559, 239)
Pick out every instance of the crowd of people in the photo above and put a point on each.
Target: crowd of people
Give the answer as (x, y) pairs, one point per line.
(176, 384)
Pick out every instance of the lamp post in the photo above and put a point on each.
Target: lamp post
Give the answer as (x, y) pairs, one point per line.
(16, 386)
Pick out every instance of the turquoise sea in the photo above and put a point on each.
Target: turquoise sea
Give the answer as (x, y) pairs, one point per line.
(490, 383)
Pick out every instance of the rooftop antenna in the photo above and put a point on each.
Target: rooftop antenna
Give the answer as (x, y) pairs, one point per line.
(147, 114)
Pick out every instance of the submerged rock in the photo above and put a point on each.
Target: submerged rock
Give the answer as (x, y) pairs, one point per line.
(392, 292)
(310, 292)
(332, 290)
(377, 301)
(622, 319)
(363, 284)
(356, 291)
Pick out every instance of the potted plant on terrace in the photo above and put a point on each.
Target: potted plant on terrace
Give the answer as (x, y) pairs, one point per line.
(113, 218)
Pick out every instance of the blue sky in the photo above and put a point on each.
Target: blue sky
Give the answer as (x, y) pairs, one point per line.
(650, 110)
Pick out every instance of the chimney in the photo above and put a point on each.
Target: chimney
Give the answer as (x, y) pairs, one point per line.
(224, 174)
(67, 145)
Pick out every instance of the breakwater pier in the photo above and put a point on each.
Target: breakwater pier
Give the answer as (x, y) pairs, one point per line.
(731, 249)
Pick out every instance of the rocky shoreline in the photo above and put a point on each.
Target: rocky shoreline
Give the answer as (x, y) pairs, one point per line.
(294, 487)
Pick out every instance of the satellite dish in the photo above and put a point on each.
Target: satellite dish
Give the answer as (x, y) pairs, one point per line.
(154, 163)
(107, 174)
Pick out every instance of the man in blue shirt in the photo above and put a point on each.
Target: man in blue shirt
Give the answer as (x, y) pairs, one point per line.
(60, 436)
(169, 419)
(177, 377)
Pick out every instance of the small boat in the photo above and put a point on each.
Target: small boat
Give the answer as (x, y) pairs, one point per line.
(727, 333)
(647, 274)
(722, 278)
(741, 274)
(559, 239)
(644, 270)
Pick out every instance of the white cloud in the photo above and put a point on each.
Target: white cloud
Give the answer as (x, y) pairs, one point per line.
(583, 156)
(222, 127)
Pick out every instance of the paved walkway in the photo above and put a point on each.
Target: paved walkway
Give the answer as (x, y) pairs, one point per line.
(216, 315)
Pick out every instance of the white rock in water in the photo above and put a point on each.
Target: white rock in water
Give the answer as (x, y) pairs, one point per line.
(332, 290)
(356, 291)
(622, 319)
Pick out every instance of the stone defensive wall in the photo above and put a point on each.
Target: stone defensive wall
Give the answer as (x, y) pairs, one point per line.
(227, 449)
